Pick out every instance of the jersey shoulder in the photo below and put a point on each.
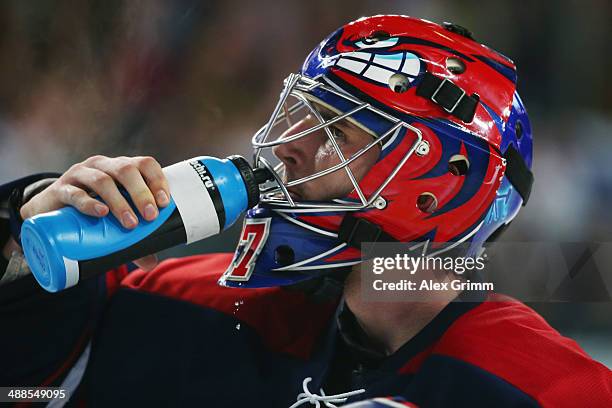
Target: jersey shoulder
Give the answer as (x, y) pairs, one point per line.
(510, 340)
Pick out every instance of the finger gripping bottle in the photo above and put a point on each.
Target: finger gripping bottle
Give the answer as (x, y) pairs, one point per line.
(207, 196)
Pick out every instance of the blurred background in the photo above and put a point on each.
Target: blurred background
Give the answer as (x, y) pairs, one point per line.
(180, 78)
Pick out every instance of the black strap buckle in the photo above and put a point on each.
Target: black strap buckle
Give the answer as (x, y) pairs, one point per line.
(448, 95)
(449, 89)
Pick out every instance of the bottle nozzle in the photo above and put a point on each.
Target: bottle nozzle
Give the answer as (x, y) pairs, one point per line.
(262, 175)
(252, 178)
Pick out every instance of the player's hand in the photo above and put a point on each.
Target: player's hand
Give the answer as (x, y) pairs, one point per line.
(141, 177)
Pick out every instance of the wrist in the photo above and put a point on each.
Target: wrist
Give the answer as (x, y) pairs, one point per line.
(17, 201)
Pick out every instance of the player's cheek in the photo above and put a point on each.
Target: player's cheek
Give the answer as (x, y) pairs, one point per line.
(360, 167)
(325, 187)
(339, 184)
(365, 162)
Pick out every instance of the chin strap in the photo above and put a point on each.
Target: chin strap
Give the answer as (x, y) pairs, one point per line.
(518, 173)
(356, 231)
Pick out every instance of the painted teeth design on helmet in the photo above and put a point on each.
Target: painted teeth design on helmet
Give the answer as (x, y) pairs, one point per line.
(380, 67)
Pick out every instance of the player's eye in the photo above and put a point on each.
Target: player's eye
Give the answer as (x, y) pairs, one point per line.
(338, 134)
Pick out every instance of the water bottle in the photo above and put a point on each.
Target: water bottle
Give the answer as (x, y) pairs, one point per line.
(207, 196)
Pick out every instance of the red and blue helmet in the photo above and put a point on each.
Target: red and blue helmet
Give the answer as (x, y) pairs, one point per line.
(455, 151)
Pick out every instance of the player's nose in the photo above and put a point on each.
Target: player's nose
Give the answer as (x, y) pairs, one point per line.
(299, 153)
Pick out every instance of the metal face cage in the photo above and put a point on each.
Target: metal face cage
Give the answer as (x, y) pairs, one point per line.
(304, 90)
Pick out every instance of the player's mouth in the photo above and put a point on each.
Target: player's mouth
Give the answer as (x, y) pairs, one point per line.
(380, 67)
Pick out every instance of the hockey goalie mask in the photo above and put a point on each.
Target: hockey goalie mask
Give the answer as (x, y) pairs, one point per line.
(395, 129)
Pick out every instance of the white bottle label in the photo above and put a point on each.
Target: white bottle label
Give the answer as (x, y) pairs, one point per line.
(193, 201)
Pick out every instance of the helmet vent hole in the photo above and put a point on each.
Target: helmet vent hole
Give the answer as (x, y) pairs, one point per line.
(284, 255)
(455, 65)
(458, 165)
(399, 83)
(427, 202)
(518, 129)
(377, 36)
